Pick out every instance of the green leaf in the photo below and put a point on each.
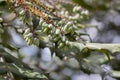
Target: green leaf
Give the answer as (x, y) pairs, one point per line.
(23, 73)
(93, 63)
(83, 4)
(3, 79)
(114, 73)
(92, 7)
(97, 46)
(2, 0)
(104, 48)
(91, 67)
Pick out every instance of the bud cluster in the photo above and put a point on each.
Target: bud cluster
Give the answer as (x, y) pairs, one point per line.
(59, 31)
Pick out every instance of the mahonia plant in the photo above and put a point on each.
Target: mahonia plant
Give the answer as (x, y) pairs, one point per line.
(54, 23)
(50, 18)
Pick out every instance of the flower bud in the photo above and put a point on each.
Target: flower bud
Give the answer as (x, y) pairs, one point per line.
(57, 31)
(36, 41)
(76, 8)
(27, 31)
(46, 30)
(22, 12)
(61, 45)
(1, 20)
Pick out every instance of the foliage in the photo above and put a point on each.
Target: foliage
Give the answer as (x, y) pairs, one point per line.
(58, 25)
